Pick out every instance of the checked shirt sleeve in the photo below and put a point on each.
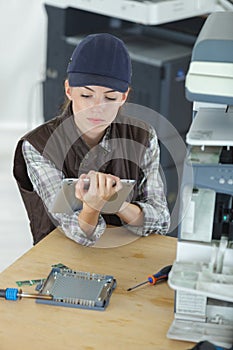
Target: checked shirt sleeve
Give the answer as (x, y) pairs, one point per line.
(46, 180)
(151, 198)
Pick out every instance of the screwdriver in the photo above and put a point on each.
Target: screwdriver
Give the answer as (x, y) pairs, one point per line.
(15, 294)
(162, 275)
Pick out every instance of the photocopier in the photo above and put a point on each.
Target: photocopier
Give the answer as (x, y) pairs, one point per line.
(202, 275)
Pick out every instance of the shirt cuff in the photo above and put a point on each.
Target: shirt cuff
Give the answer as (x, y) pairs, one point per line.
(155, 221)
(69, 225)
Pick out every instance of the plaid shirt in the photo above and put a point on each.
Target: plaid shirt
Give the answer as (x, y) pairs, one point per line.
(46, 180)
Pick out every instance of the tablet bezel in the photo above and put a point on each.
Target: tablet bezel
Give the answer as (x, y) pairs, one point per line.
(65, 201)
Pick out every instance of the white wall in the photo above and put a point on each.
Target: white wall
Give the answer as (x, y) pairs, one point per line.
(23, 28)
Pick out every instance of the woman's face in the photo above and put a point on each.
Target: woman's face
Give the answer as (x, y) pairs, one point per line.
(94, 107)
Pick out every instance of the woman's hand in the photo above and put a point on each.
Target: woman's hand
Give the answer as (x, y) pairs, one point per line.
(101, 188)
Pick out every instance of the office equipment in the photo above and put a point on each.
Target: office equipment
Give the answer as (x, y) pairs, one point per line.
(130, 318)
(226, 5)
(162, 275)
(206, 345)
(203, 272)
(77, 289)
(152, 12)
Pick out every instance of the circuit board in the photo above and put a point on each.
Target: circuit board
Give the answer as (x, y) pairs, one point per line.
(77, 289)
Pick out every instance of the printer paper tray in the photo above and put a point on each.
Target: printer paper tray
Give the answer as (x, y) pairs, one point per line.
(193, 331)
(196, 278)
(211, 127)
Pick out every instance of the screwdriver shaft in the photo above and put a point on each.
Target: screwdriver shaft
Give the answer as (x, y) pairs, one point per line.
(138, 285)
(162, 275)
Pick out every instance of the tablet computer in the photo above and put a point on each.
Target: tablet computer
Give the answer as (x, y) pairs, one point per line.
(66, 202)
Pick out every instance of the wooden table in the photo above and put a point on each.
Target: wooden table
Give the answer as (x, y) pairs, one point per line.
(138, 319)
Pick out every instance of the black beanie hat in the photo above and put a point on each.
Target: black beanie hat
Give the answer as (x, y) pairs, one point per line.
(102, 60)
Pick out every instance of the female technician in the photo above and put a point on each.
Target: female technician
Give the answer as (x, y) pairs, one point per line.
(94, 139)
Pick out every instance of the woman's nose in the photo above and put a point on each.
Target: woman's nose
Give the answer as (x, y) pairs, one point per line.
(99, 100)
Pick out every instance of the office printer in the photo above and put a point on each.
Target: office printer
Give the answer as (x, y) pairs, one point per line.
(202, 274)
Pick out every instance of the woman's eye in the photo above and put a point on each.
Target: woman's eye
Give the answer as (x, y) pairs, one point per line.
(85, 96)
(110, 98)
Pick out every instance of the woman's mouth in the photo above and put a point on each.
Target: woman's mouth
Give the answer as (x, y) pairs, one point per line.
(96, 120)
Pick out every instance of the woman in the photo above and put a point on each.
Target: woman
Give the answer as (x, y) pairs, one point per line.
(93, 139)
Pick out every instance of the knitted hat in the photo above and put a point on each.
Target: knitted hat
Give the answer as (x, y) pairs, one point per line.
(102, 60)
